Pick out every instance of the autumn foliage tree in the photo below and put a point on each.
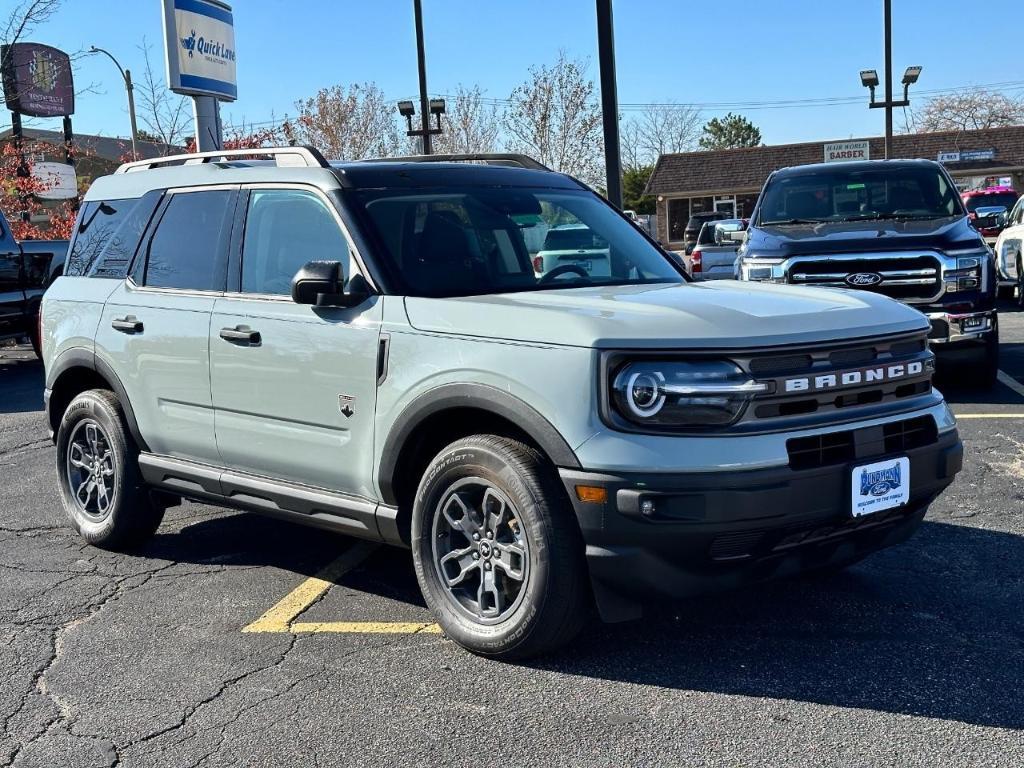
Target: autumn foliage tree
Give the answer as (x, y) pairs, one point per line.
(20, 187)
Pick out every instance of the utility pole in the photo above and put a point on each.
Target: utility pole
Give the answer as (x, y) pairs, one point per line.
(421, 58)
(888, 78)
(609, 101)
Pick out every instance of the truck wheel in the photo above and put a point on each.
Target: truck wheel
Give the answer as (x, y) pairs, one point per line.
(497, 552)
(1020, 282)
(97, 467)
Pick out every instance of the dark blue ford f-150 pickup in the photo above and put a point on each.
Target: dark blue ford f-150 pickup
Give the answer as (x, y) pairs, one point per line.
(896, 227)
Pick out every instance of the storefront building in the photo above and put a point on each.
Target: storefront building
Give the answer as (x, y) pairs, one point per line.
(730, 180)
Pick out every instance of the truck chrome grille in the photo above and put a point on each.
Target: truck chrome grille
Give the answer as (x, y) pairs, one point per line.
(905, 278)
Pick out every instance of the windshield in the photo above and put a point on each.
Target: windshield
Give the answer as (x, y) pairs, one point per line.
(884, 192)
(481, 240)
(995, 199)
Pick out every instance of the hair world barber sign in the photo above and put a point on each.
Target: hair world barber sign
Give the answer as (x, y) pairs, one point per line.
(199, 36)
(846, 151)
(37, 80)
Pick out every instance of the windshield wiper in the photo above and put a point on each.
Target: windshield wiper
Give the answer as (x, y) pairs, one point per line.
(902, 216)
(791, 221)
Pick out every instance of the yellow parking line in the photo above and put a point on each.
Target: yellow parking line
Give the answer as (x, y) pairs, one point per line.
(281, 618)
(962, 416)
(367, 627)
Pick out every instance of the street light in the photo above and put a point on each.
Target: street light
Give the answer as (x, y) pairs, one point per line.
(126, 75)
(869, 79)
(435, 107)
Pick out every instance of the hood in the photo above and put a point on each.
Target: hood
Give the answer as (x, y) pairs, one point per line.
(720, 314)
(858, 236)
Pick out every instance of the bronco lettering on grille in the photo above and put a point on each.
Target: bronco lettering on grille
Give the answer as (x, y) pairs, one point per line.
(853, 378)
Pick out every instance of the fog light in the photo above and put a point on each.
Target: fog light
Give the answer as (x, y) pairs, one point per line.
(647, 508)
(967, 283)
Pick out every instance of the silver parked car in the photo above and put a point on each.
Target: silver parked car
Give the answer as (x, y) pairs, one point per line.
(714, 255)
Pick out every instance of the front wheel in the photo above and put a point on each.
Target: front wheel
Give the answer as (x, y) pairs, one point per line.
(97, 469)
(497, 551)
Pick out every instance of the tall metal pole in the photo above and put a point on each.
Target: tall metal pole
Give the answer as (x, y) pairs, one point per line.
(888, 78)
(131, 110)
(609, 101)
(421, 58)
(126, 75)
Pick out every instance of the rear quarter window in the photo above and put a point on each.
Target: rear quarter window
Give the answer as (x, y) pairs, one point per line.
(98, 222)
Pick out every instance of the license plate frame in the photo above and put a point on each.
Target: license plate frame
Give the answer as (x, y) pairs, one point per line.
(879, 486)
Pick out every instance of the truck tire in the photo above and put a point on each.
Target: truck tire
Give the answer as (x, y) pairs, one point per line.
(497, 550)
(98, 474)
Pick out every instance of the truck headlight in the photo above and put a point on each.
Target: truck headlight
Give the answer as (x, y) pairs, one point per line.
(967, 274)
(682, 393)
(761, 270)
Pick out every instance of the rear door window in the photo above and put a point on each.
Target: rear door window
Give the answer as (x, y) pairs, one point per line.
(188, 250)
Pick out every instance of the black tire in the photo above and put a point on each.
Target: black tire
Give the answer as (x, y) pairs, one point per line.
(1020, 282)
(549, 604)
(33, 337)
(94, 445)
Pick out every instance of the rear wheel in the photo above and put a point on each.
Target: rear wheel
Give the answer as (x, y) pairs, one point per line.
(989, 370)
(496, 548)
(100, 484)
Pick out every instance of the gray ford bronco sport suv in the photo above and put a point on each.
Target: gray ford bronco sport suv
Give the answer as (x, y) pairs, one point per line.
(366, 348)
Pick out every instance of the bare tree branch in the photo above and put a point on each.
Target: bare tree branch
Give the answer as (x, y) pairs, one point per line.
(469, 125)
(554, 116)
(164, 114)
(966, 110)
(659, 130)
(348, 122)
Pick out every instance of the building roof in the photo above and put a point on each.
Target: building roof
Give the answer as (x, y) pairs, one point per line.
(111, 148)
(731, 170)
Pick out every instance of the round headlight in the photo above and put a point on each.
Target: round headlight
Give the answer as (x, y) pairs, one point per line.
(682, 393)
(644, 395)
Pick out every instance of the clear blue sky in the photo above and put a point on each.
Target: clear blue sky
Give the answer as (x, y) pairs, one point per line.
(682, 50)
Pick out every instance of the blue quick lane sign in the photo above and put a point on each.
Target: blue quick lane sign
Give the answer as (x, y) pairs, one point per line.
(199, 36)
(879, 486)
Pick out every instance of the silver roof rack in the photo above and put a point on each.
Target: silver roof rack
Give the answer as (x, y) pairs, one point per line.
(284, 157)
(488, 158)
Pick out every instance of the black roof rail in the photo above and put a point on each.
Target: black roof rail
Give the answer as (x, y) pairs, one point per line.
(288, 157)
(514, 159)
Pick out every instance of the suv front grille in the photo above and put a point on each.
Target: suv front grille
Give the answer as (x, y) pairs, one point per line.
(905, 278)
(792, 377)
(861, 444)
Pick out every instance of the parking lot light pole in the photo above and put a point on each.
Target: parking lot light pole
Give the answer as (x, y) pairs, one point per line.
(421, 60)
(869, 79)
(609, 101)
(126, 75)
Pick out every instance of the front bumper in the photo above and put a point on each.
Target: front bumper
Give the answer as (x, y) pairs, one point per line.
(948, 328)
(711, 531)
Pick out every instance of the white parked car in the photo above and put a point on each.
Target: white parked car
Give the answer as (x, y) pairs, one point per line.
(576, 248)
(1009, 249)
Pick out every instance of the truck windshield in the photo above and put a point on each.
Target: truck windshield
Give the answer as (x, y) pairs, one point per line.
(840, 194)
(485, 240)
(991, 199)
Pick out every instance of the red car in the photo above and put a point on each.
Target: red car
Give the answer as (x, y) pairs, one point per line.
(978, 201)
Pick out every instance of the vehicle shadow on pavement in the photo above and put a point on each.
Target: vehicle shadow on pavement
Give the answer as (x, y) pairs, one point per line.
(21, 381)
(932, 628)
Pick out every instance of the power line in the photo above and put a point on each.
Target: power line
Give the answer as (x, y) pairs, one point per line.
(709, 106)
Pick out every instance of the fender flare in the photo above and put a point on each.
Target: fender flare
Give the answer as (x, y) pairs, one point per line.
(479, 396)
(80, 357)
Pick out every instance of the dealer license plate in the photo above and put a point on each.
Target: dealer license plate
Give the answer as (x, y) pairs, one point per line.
(880, 486)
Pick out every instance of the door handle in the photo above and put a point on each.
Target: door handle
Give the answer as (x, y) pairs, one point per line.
(129, 324)
(241, 334)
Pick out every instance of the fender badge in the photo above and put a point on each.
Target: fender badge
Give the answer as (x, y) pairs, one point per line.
(346, 405)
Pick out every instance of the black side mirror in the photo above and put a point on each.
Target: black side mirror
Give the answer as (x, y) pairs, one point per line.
(320, 283)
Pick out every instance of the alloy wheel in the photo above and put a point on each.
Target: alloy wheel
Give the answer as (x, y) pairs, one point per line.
(480, 550)
(91, 470)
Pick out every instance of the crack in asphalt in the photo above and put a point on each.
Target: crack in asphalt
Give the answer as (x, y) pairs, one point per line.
(22, 446)
(64, 712)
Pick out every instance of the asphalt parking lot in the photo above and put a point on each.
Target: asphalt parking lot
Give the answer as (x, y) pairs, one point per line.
(238, 640)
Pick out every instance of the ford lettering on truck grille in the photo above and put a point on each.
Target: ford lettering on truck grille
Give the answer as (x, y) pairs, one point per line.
(860, 376)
